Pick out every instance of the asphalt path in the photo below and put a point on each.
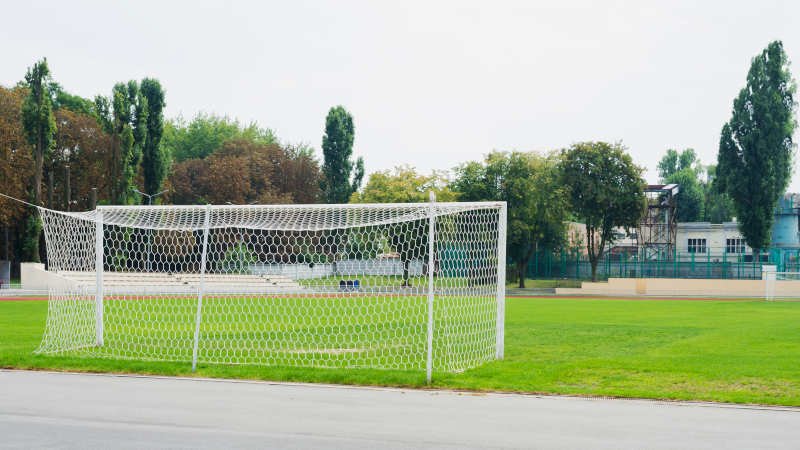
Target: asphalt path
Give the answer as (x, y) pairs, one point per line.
(59, 410)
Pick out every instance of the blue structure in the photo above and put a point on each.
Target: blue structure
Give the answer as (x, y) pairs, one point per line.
(785, 250)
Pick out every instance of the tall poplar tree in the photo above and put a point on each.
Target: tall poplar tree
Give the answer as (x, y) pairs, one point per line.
(755, 150)
(154, 156)
(40, 128)
(337, 149)
(125, 117)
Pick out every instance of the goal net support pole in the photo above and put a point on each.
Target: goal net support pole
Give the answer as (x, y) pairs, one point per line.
(501, 283)
(201, 288)
(98, 268)
(780, 285)
(431, 246)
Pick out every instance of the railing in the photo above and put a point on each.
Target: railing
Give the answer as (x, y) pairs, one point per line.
(713, 263)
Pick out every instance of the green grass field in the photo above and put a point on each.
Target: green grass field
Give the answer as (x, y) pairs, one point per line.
(729, 351)
(352, 330)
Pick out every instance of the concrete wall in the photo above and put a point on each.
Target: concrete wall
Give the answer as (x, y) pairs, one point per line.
(33, 277)
(683, 287)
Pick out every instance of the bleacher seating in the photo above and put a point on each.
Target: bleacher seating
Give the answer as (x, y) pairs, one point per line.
(173, 281)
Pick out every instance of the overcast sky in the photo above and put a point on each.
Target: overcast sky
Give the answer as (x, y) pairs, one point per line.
(430, 84)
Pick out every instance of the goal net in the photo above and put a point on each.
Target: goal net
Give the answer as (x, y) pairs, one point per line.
(780, 285)
(395, 286)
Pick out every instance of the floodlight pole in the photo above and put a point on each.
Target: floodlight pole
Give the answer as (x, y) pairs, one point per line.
(150, 197)
(431, 237)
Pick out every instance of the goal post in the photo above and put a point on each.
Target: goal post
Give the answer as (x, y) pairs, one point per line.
(98, 270)
(201, 288)
(501, 282)
(416, 286)
(431, 294)
(780, 285)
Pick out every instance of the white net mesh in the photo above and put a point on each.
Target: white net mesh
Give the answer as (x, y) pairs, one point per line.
(781, 285)
(317, 286)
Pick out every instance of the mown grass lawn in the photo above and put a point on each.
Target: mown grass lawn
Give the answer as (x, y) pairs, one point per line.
(728, 351)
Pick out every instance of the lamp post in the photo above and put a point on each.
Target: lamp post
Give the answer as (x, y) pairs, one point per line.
(150, 198)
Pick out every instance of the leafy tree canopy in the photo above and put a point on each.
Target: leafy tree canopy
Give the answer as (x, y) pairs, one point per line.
(674, 161)
(606, 191)
(684, 168)
(16, 158)
(718, 205)
(38, 120)
(83, 144)
(155, 159)
(691, 198)
(754, 162)
(404, 185)
(39, 124)
(65, 100)
(537, 203)
(243, 172)
(124, 117)
(341, 177)
(699, 198)
(206, 133)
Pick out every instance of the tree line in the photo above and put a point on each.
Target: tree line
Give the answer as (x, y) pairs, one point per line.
(48, 134)
(700, 197)
(598, 184)
(119, 146)
(67, 152)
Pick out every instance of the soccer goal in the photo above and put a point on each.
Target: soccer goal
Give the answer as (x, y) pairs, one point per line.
(394, 286)
(780, 285)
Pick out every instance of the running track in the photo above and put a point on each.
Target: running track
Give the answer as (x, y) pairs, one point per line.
(59, 410)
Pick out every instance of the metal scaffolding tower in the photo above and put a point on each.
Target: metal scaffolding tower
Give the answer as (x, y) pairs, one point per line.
(657, 231)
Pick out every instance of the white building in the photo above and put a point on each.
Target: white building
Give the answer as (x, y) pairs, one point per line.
(710, 240)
